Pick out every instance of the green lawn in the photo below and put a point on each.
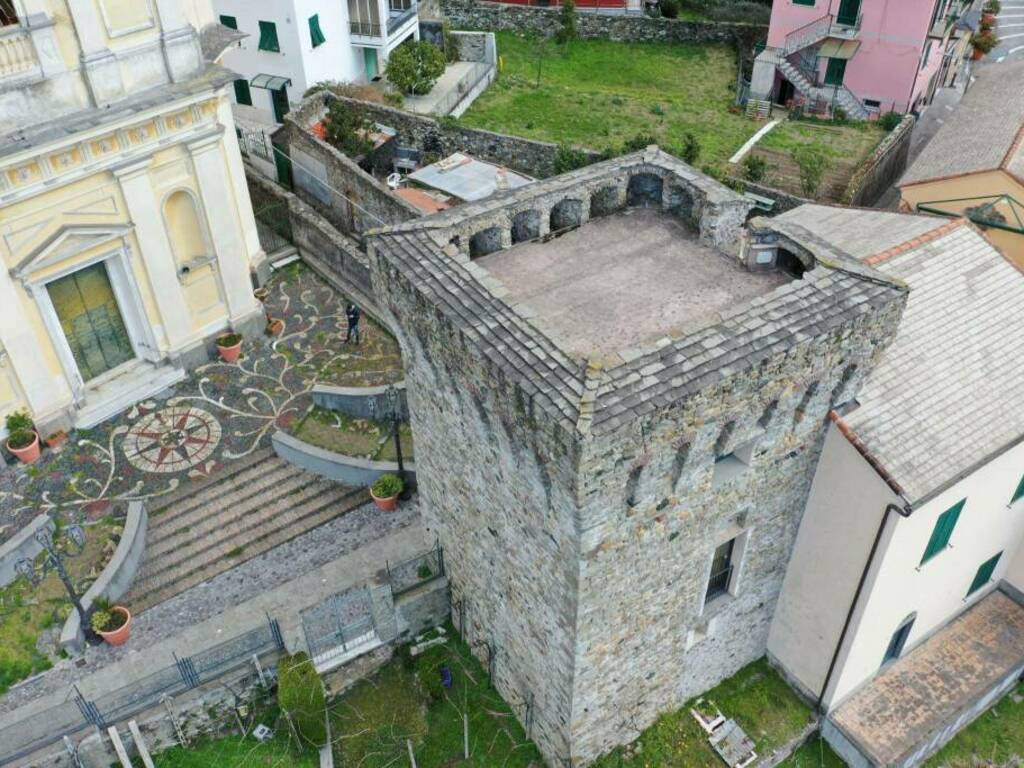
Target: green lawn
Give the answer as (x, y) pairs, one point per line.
(995, 738)
(814, 754)
(371, 722)
(598, 93)
(27, 610)
(342, 434)
(756, 697)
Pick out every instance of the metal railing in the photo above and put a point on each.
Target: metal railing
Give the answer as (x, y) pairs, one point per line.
(398, 21)
(808, 34)
(718, 584)
(365, 28)
(76, 713)
(473, 77)
(409, 574)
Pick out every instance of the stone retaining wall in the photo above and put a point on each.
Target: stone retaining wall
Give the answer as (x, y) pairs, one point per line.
(783, 200)
(359, 402)
(349, 470)
(21, 546)
(883, 169)
(633, 28)
(115, 579)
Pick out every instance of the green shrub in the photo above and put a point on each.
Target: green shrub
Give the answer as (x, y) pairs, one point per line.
(229, 339)
(414, 67)
(993, 6)
(984, 41)
(346, 127)
(669, 8)
(428, 671)
(451, 50)
(813, 163)
(301, 694)
(567, 30)
(19, 421)
(387, 486)
(755, 168)
(690, 151)
(890, 120)
(638, 142)
(569, 158)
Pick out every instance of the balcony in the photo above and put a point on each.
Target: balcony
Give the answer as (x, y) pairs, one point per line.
(366, 21)
(399, 17)
(828, 26)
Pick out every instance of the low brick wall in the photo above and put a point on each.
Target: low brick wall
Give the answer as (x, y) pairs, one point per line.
(883, 168)
(633, 28)
(358, 402)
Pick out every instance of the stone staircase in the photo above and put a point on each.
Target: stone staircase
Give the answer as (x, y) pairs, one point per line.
(842, 95)
(207, 528)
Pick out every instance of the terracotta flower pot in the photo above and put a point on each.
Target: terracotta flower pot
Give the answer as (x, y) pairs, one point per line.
(56, 440)
(230, 354)
(977, 54)
(388, 504)
(120, 635)
(29, 453)
(275, 326)
(988, 16)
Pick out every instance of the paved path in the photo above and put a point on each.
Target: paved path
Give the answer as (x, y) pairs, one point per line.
(332, 558)
(1010, 31)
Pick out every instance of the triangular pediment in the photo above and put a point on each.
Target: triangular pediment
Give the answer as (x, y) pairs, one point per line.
(66, 243)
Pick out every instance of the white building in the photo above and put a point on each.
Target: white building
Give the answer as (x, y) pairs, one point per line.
(902, 611)
(294, 44)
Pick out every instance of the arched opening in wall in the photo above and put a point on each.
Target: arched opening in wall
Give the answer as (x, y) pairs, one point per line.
(525, 226)
(8, 13)
(678, 465)
(789, 263)
(768, 414)
(805, 403)
(185, 229)
(484, 242)
(843, 391)
(679, 201)
(633, 485)
(566, 215)
(604, 202)
(645, 190)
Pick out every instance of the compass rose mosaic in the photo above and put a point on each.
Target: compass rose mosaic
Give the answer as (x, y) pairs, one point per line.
(172, 439)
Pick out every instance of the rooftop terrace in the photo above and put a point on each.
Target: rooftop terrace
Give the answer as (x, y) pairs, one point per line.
(623, 281)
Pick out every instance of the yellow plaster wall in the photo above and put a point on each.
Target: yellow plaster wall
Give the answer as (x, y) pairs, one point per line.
(973, 185)
(11, 397)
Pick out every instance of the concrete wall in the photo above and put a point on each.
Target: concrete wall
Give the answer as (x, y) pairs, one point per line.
(349, 470)
(845, 506)
(359, 402)
(883, 169)
(936, 591)
(1015, 571)
(116, 577)
(425, 607)
(635, 28)
(21, 546)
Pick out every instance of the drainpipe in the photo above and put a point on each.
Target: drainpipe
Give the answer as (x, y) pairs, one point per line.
(903, 511)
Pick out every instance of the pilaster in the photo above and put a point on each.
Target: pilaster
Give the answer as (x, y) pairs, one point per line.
(102, 69)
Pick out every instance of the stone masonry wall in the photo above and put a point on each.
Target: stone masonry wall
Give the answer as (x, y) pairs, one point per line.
(510, 548)
(633, 28)
(883, 169)
(647, 641)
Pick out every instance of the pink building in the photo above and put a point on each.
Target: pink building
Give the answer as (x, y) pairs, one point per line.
(865, 56)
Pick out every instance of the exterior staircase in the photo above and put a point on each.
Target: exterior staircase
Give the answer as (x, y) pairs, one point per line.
(840, 95)
(207, 528)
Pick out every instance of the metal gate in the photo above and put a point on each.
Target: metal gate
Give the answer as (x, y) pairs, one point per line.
(339, 626)
(274, 225)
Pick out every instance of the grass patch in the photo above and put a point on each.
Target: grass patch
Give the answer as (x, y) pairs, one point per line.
(816, 753)
(599, 93)
(342, 434)
(405, 700)
(27, 610)
(995, 738)
(756, 697)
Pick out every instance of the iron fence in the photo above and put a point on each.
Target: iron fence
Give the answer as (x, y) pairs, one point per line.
(274, 227)
(473, 77)
(408, 574)
(77, 713)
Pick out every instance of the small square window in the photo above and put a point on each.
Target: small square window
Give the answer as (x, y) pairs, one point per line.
(268, 37)
(731, 465)
(242, 93)
(721, 571)
(229, 21)
(803, 2)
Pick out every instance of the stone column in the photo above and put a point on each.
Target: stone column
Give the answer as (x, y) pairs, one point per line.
(179, 40)
(102, 71)
(221, 207)
(157, 255)
(382, 608)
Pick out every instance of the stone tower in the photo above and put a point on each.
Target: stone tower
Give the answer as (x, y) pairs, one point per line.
(618, 396)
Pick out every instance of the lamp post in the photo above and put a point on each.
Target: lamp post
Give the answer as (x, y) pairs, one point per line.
(394, 401)
(54, 559)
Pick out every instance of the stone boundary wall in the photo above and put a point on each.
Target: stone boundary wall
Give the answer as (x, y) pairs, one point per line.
(783, 200)
(883, 169)
(116, 578)
(21, 546)
(359, 402)
(442, 138)
(331, 254)
(349, 470)
(632, 28)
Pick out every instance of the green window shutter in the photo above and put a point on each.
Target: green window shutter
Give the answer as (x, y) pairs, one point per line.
(943, 531)
(229, 21)
(1019, 493)
(803, 2)
(242, 93)
(315, 33)
(268, 37)
(835, 72)
(984, 575)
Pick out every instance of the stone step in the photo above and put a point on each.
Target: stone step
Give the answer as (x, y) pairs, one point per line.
(196, 493)
(188, 578)
(176, 540)
(243, 525)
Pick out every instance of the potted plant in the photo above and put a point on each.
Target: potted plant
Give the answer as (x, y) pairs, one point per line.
(385, 490)
(990, 10)
(274, 326)
(56, 440)
(22, 438)
(983, 42)
(111, 622)
(230, 347)
(261, 293)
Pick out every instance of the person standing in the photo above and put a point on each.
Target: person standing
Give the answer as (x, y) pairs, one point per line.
(352, 315)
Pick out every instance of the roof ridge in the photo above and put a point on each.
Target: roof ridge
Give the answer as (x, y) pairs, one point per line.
(861, 447)
(1017, 144)
(915, 242)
